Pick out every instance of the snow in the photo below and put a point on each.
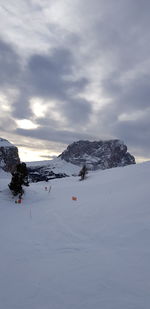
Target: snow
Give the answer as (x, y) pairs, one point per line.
(57, 166)
(56, 253)
(5, 143)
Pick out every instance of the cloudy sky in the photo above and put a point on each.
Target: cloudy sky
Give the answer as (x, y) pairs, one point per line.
(74, 69)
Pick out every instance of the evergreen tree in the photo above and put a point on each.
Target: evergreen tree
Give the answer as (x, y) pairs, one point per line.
(19, 178)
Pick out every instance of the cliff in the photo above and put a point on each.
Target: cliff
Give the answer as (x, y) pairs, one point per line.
(8, 155)
(98, 154)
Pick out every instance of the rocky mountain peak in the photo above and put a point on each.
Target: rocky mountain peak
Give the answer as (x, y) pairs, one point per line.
(98, 154)
(8, 155)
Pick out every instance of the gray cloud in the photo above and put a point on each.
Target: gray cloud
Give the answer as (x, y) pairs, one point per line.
(10, 68)
(51, 76)
(137, 133)
(127, 116)
(7, 124)
(50, 134)
(101, 51)
(46, 73)
(128, 95)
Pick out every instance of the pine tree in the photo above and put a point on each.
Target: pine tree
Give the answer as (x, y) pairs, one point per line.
(19, 178)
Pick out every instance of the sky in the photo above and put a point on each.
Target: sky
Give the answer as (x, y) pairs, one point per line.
(72, 70)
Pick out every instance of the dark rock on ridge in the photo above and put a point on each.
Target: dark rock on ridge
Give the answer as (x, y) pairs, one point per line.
(8, 155)
(37, 174)
(98, 154)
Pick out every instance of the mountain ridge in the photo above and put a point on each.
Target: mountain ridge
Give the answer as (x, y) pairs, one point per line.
(98, 154)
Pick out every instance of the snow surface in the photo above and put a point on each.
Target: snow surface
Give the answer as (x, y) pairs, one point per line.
(5, 143)
(57, 166)
(92, 253)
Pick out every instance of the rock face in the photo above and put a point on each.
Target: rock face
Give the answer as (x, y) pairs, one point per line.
(8, 155)
(98, 154)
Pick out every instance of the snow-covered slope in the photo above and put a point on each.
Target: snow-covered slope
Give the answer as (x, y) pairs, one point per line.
(5, 143)
(56, 165)
(51, 169)
(56, 253)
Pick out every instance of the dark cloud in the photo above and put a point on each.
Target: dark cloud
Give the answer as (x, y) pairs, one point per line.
(136, 133)
(47, 121)
(78, 111)
(10, 67)
(127, 116)
(46, 73)
(105, 55)
(137, 93)
(128, 95)
(7, 123)
(49, 134)
(21, 107)
(49, 76)
(119, 34)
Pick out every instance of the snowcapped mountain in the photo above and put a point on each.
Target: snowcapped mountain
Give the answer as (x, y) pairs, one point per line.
(98, 154)
(92, 252)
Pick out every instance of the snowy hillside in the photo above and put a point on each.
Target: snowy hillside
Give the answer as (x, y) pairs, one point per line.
(5, 143)
(92, 253)
(56, 165)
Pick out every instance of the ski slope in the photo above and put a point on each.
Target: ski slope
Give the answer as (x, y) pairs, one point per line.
(92, 253)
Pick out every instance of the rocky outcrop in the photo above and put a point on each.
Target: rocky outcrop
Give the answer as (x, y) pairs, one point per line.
(37, 174)
(98, 154)
(8, 155)
(48, 170)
